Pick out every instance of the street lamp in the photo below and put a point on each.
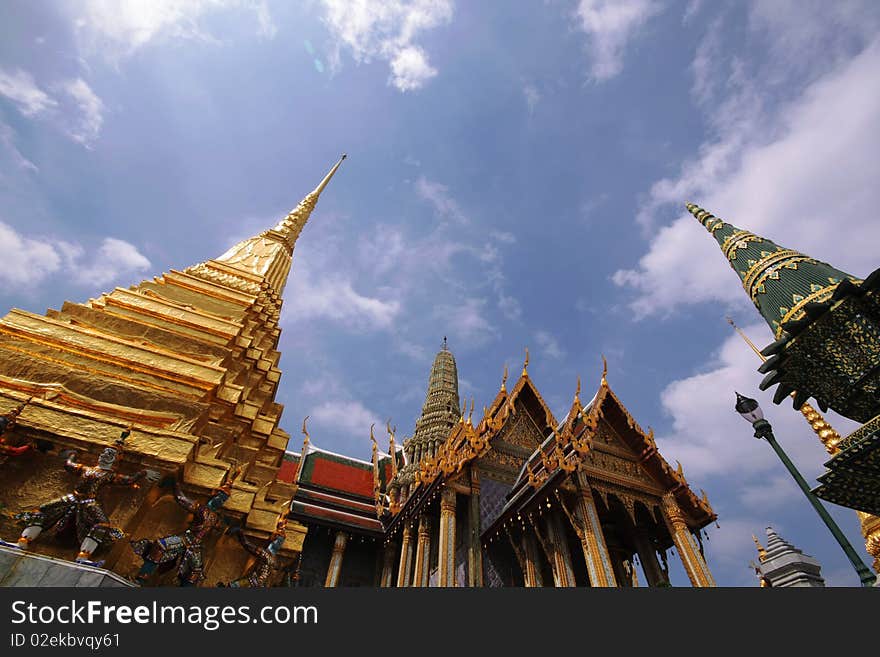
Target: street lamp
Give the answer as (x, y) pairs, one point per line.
(752, 413)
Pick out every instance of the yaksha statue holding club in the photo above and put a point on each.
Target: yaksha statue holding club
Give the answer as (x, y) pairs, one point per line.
(81, 509)
(268, 559)
(185, 549)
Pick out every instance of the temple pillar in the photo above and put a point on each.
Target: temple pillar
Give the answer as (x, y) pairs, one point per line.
(592, 540)
(532, 571)
(423, 552)
(475, 552)
(406, 557)
(446, 560)
(648, 557)
(688, 550)
(562, 570)
(388, 564)
(335, 568)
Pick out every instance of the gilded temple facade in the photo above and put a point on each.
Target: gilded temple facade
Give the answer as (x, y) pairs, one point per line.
(516, 499)
(149, 413)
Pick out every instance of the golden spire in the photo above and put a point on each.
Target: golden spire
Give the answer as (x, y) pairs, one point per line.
(604, 371)
(269, 254)
(293, 223)
(306, 434)
(577, 392)
(471, 413)
(762, 553)
(826, 433)
(504, 379)
(526, 364)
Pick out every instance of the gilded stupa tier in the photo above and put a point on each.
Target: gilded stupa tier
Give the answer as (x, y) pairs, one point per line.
(188, 359)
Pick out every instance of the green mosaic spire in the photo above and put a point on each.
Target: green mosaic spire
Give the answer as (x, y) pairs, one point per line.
(440, 412)
(779, 281)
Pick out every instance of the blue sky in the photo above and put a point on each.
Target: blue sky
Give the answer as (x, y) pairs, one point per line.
(516, 177)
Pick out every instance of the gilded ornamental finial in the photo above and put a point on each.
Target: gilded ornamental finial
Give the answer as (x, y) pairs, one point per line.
(306, 439)
(471, 413)
(577, 392)
(504, 379)
(526, 364)
(762, 553)
(604, 371)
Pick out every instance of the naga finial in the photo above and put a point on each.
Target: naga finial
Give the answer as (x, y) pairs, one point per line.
(577, 392)
(373, 438)
(604, 371)
(526, 364)
(306, 434)
(504, 379)
(471, 413)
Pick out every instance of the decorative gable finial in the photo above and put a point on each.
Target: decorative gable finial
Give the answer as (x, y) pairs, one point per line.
(526, 364)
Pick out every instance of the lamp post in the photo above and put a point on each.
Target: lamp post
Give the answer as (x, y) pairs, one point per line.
(752, 413)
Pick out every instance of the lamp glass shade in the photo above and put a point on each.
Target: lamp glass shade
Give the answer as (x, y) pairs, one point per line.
(748, 408)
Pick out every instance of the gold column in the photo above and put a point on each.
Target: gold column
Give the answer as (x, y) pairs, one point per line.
(405, 567)
(532, 574)
(446, 560)
(475, 551)
(592, 541)
(335, 568)
(388, 565)
(423, 552)
(688, 550)
(563, 573)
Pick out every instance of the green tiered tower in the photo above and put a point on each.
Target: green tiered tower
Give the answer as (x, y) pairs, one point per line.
(827, 328)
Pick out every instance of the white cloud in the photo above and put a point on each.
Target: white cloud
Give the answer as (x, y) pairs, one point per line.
(387, 30)
(712, 440)
(29, 261)
(410, 69)
(610, 25)
(532, 96)
(548, 345)
(118, 28)
(20, 88)
(74, 107)
(470, 321)
(445, 206)
(115, 258)
(821, 168)
(26, 261)
(334, 298)
(7, 139)
(347, 416)
(87, 125)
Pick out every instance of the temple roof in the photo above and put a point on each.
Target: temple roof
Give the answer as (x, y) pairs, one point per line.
(331, 489)
(779, 281)
(551, 463)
